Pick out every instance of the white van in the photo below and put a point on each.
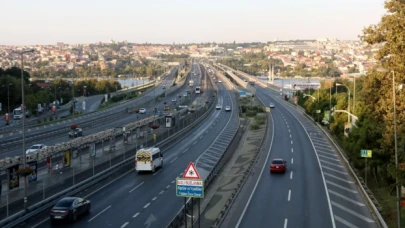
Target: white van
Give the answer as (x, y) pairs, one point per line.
(148, 159)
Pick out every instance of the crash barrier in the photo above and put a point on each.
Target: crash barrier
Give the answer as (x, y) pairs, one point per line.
(37, 208)
(375, 206)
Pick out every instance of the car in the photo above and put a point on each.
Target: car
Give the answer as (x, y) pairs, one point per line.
(188, 91)
(218, 107)
(174, 100)
(70, 208)
(185, 95)
(272, 105)
(142, 110)
(227, 108)
(35, 147)
(75, 133)
(219, 81)
(278, 165)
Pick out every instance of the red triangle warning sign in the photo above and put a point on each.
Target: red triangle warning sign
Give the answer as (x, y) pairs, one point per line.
(191, 172)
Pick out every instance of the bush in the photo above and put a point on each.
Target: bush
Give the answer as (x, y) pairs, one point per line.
(50, 118)
(44, 119)
(39, 121)
(250, 113)
(254, 127)
(259, 120)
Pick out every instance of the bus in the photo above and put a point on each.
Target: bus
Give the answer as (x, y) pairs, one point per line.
(197, 89)
(148, 159)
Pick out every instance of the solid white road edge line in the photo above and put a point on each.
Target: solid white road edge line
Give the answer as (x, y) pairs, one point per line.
(99, 213)
(258, 179)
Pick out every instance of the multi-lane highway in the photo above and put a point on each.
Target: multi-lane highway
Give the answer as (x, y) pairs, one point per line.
(119, 122)
(135, 198)
(316, 191)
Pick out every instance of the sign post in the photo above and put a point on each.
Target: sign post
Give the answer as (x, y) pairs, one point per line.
(191, 185)
(366, 154)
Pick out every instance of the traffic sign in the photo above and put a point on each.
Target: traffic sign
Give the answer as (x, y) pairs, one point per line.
(191, 172)
(366, 153)
(242, 94)
(189, 188)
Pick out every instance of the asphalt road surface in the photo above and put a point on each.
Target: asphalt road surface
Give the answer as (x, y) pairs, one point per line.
(135, 199)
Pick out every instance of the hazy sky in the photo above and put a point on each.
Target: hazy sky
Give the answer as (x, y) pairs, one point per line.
(181, 21)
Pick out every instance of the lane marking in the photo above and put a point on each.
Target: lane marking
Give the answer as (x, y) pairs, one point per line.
(327, 153)
(154, 198)
(285, 223)
(161, 192)
(346, 198)
(289, 195)
(206, 132)
(135, 215)
(181, 174)
(147, 205)
(348, 224)
(288, 126)
(185, 150)
(157, 172)
(341, 187)
(174, 160)
(340, 166)
(288, 130)
(323, 156)
(292, 150)
(292, 160)
(125, 224)
(338, 178)
(335, 170)
(364, 218)
(136, 187)
(99, 213)
(291, 175)
(168, 186)
(194, 143)
(291, 142)
(258, 179)
(173, 181)
(290, 136)
(201, 137)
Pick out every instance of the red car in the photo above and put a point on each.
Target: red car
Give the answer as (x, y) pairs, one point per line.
(278, 166)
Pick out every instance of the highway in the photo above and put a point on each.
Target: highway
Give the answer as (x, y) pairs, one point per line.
(316, 191)
(113, 123)
(136, 198)
(120, 107)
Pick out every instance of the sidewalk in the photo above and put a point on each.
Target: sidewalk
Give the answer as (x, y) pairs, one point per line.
(228, 183)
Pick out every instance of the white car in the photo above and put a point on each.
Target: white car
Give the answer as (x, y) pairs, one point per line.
(174, 100)
(218, 107)
(142, 110)
(219, 81)
(227, 108)
(272, 105)
(35, 147)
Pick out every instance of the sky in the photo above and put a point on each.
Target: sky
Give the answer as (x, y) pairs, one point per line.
(30, 22)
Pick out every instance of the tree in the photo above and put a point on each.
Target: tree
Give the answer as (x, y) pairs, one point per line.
(389, 33)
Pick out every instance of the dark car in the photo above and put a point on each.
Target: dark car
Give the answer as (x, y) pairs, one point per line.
(278, 166)
(70, 208)
(76, 133)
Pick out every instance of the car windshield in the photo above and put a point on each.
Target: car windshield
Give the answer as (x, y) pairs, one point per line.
(277, 162)
(36, 147)
(64, 203)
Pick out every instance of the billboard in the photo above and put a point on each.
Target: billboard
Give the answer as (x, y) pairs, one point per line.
(13, 177)
(66, 158)
(34, 166)
(304, 86)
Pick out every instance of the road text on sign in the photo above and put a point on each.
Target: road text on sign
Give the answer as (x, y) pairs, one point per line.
(189, 188)
(366, 153)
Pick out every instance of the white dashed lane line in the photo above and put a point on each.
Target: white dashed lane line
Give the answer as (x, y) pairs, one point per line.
(291, 142)
(136, 187)
(135, 215)
(194, 143)
(289, 195)
(291, 175)
(185, 151)
(161, 192)
(99, 213)
(174, 159)
(147, 205)
(125, 224)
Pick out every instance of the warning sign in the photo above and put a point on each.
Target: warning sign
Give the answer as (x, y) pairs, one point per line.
(191, 172)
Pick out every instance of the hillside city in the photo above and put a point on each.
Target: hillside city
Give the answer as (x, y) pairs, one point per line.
(50, 60)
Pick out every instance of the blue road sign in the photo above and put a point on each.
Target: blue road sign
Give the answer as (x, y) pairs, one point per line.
(190, 188)
(242, 94)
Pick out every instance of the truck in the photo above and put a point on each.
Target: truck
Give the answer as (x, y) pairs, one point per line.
(191, 83)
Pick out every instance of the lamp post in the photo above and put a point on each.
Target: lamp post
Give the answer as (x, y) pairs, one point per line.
(348, 106)
(8, 97)
(23, 124)
(395, 144)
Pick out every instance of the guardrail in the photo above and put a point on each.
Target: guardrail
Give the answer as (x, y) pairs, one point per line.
(367, 193)
(22, 216)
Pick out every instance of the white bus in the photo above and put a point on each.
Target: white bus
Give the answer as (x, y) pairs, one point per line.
(17, 114)
(197, 89)
(148, 159)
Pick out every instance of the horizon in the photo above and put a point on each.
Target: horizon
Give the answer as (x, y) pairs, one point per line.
(182, 22)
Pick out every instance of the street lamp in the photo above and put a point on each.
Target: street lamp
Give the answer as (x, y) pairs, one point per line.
(348, 106)
(395, 142)
(8, 96)
(23, 124)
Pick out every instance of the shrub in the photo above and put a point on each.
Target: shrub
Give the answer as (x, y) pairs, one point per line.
(254, 127)
(250, 113)
(39, 121)
(44, 119)
(50, 118)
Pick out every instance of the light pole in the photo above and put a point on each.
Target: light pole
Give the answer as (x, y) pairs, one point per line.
(348, 106)
(8, 97)
(23, 125)
(395, 144)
